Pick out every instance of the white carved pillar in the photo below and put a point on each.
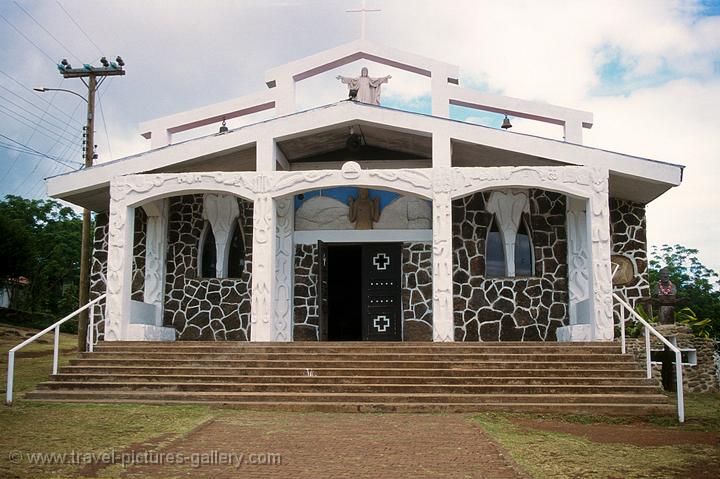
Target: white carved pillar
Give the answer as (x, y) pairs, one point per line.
(599, 236)
(155, 251)
(121, 228)
(508, 207)
(221, 211)
(443, 321)
(284, 256)
(579, 272)
(263, 268)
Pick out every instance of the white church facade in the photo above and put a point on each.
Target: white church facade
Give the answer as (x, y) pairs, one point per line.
(354, 221)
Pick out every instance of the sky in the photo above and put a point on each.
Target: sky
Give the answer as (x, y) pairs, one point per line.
(648, 70)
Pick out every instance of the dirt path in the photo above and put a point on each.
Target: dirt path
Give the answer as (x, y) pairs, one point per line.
(336, 445)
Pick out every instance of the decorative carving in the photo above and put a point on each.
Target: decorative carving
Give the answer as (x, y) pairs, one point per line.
(284, 257)
(221, 211)
(156, 242)
(363, 211)
(264, 246)
(351, 170)
(508, 207)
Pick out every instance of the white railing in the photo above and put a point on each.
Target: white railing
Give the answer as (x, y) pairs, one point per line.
(648, 365)
(56, 327)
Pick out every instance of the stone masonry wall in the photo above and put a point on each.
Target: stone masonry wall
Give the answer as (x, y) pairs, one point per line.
(306, 322)
(510, 309)
(138, 272)
(98, 272)
(204, 308)
(628, 230)
(700, 378)
(417, 291)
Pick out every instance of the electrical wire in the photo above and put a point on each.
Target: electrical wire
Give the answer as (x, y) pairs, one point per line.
(40, 118)
(79, 27)
(26, 38)
(24, 88)
(65, 48)
(39, 153)
(13, 115)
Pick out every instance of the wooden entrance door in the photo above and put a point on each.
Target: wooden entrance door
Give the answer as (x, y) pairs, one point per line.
(381, 293)
(322, 289)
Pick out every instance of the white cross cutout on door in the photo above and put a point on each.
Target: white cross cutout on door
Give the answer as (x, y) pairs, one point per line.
(381, 328)
(381, 261)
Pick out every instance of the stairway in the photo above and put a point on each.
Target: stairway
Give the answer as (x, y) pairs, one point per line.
(572, 378)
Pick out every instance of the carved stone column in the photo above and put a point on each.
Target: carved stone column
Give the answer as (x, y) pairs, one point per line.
(579, 273)
(599, 221)
(284, 257)
(121, 228)
(263, 274)
(155, 250)
(443, 322)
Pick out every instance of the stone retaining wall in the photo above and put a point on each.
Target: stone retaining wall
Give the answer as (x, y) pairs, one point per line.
(701, 378)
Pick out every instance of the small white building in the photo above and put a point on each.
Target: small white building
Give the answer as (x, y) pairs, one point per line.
(452, 232)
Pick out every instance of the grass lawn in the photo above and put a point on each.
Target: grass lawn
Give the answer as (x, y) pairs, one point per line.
(543, 445)
(604, 447)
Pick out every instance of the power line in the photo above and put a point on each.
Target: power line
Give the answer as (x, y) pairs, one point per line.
(38, 152)
(34, 129)
(79, 27)
(23, 120)
(102, 113)
(48, 32)
(26, 38)
(61, 120)
(24, 88)
(49, 123)
(63, 156)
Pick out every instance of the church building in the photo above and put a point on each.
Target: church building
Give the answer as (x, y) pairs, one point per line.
(358, 222)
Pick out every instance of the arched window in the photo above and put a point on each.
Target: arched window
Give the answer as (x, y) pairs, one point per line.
(208, 253)
(494, 252)
(523, 251)
(236, 254)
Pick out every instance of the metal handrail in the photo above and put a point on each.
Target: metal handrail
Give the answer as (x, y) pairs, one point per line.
(648, 366)
(56, 327)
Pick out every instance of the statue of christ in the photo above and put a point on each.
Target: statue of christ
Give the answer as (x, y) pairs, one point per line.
(368, 89)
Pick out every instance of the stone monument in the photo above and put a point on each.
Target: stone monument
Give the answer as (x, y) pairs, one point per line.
(367, 90)
(666, 297)
(363, 210)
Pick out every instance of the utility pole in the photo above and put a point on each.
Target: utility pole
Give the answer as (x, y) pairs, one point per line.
(92, 74)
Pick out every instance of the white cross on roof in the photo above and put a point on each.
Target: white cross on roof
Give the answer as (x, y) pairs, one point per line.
(363, 10)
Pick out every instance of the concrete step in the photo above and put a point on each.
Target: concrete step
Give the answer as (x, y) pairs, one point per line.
(83, 366)
(349, 379)
(393, 348)
(311, 363)
(367, 388)
(589, 378)
(615, 409)
(435, 398)
(360, 356)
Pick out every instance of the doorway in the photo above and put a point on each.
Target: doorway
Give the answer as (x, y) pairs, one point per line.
(344, 288)
(359, 293)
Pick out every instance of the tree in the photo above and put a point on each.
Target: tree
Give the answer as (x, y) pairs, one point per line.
(40, 239)
(698, 285)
